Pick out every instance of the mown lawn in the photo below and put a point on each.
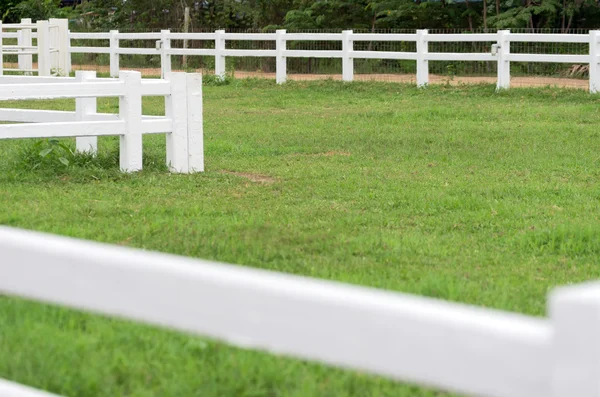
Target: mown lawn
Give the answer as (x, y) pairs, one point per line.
(457, 193)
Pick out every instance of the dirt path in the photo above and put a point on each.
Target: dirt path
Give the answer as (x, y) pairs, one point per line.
(403, 78)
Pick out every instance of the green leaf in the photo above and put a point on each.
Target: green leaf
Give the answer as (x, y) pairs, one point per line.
(64, 161)
(46, 152)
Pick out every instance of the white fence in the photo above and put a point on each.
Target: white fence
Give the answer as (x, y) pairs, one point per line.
(51, 46)
(182, 123)
(476, 351)
(499, 50)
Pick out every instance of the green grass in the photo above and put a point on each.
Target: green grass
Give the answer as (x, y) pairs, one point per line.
(456, 193)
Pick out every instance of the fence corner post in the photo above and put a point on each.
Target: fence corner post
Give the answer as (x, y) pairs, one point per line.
(594, 69)
(25, 40)
(219, 57)
(422, 62)
(176, 108)
(84, 107)
(503, 63)
(195, 122)
(62, 44)
(165, 55)
(130, 112)
(347, 60)
(114, 53)
(575, 318)
(43, 40)
(281, 61)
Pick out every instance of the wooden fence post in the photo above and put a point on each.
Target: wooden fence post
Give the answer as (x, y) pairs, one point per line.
(422, 62)
(25, 40)
(281, 61)
(130, 111)
(165, 56)
(61, 43)
(594, 69)
(83, 108)
(114, 53)
(347, 60)
(185, 144)
(575, 317)
(43, 40)
(503, 63)
(219, 57)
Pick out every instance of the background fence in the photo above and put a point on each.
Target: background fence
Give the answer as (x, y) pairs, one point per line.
(321, 57)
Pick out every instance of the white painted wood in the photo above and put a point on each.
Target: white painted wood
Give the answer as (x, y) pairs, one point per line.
(553, 58)
(91, 50)
(158, 126)
(53, 35)
(464, 38)
(114, 53)
(1, 49)
(548, 38)
(59, 90)
(314, 36)
(249, 53)
(59, 130)
(195, 123)
(139, 36)
(422, 62)
(10, 389)
(151, 87)
(130, 112)
(25, 40)
(384, 55)
(89, 36)
(476, 351)
(347, 57)
(250, 36)
(503, 60)
(312, 54)
(219, 57)
(575, 317)
(176, 109)
(36, 116)
(384, 37)
(62, 44)
(43, 43)
(84, 107)
(456, 56)
(37, 80)
(192, 51)
(280, 60)
(165, 57)
(594, 68)
(192, 36)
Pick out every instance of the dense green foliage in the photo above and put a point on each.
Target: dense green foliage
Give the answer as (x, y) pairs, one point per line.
(319, 14)
(491, 199)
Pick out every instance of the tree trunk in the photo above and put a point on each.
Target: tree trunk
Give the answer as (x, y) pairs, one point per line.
(564, 14)
(497, 7)
(485, 16)
(469, 17)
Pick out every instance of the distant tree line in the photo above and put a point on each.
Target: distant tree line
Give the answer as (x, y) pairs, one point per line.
(370, 15)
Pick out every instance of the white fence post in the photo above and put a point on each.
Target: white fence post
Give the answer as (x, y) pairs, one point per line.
(281, 61)
(83, 108)
(114, 53)
(195, 122)
(422, 62)
(575, 316)
(165, 56)
(61, 37)
(503, 63)
(43, 43)
(347, 60)
(25, 40)
(219, 57)
(185, 144)
(130, 110)
(594, 70)
(1, 51)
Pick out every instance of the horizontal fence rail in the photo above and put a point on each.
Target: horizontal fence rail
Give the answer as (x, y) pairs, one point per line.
(182, 123)
(455, 347)
(499, 50)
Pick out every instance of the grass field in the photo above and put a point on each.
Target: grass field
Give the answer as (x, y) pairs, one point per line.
(456, 193)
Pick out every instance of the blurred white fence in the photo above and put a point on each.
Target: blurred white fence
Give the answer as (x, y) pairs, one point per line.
(451, 346)
(499, 50)
(182, 122)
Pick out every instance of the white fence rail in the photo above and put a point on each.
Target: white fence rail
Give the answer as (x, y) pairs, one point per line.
(499, 50)
(476, 351)
(182, 122)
